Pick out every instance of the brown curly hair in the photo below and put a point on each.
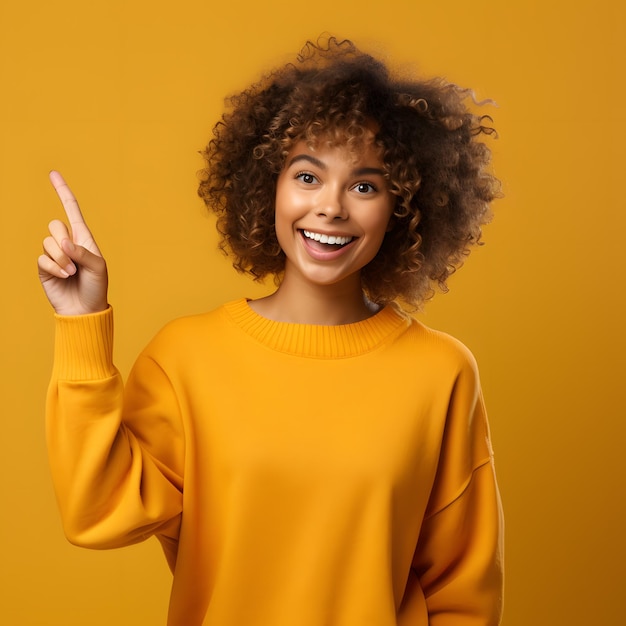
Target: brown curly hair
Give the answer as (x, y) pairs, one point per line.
(427, 139)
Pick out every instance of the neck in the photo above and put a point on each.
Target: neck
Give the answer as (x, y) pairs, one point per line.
(301, 302)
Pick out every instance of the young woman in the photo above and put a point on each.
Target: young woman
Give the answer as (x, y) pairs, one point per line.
(316, 457)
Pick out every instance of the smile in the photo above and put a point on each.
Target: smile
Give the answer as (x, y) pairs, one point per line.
(336, 240)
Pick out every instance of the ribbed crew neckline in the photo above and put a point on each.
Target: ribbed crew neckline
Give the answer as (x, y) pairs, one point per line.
(308, 340)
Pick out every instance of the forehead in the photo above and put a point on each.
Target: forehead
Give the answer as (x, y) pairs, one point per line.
(353, 144)
(331, 155)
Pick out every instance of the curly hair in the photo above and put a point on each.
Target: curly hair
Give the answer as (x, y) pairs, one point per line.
(427, 138)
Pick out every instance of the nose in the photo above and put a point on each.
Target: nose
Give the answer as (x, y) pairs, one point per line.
(331, 205)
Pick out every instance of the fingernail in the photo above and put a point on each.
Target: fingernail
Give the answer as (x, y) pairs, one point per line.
(64, 274)
(70, 269)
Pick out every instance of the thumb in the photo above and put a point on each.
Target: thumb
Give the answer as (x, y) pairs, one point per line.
(83, 257)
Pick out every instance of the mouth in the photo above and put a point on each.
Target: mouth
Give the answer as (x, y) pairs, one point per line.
(324, 242)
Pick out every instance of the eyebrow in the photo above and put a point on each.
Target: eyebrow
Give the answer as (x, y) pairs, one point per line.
(362, 171)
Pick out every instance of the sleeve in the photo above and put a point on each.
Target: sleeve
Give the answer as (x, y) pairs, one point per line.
(459, 556)
(116, 455)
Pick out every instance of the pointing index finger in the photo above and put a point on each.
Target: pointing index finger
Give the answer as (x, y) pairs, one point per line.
(70, 204)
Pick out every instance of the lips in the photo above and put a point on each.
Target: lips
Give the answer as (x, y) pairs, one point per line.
(324, 242)
(340, 240)
(324, 247)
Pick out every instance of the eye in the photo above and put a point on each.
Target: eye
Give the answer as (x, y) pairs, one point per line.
(306, 177)
(364, 188)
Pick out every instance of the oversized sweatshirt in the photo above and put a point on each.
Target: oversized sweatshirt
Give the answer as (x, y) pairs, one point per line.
(294, 474)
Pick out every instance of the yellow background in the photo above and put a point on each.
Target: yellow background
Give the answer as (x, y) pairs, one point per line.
(120, 95)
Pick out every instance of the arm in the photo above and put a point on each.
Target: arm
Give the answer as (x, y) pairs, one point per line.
(116, 457)
(459, 557)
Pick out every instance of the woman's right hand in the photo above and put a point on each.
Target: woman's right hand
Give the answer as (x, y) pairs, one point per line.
(72, 270)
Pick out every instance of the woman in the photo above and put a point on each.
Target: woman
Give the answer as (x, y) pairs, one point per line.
(315, 457)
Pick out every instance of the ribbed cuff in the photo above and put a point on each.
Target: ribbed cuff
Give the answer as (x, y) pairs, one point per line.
(83, 348)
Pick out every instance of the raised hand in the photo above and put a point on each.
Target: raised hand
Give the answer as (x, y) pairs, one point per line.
(72, 270)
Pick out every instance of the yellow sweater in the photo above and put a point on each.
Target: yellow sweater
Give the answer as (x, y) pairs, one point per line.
(295, 475)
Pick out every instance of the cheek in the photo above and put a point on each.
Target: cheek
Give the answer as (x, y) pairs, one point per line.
(378, 228)
(280, 205)
(284, 219)
(380, 225)
(290, 207)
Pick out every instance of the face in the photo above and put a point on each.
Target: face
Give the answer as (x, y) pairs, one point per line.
(332, 211)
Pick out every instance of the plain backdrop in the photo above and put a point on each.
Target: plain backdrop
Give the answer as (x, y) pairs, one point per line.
(120, 96)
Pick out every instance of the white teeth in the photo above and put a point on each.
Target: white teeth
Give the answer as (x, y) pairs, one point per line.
(331, 239)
